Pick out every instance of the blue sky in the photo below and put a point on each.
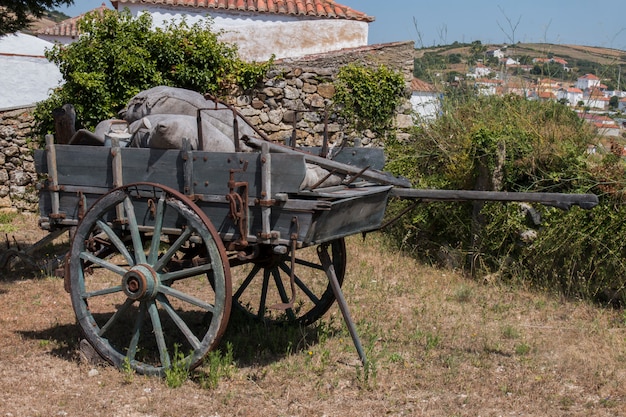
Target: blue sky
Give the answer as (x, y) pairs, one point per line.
(431, 22)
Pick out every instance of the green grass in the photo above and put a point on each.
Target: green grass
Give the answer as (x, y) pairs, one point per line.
(217, 365)
(178, 373)
(6, 220)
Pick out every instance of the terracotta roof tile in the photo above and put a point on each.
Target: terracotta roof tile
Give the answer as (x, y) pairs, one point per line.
(314, 8)
(422, 86)
(68, 27)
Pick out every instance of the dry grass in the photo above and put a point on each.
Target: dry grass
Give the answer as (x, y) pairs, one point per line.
(603, 56)
(439, 345)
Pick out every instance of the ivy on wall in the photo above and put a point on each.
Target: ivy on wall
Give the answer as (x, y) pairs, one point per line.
(367, 98)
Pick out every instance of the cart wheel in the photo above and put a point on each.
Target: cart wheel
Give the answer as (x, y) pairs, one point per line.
(149, 279)
(265, 282)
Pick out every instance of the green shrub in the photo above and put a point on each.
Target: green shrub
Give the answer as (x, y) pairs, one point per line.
(367, 98)
(512, 144)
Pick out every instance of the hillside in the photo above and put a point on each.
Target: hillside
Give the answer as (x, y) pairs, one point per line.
(457, 57)
(603, 56)
(48, 19)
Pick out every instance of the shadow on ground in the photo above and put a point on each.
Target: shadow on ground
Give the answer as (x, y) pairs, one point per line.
(254, 342)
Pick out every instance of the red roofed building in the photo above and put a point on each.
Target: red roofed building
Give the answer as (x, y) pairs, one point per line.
(259, 28)
(605, 125)
(587, 81)
(66, 31)
(262, 28)
(425, 99)
(572, 95)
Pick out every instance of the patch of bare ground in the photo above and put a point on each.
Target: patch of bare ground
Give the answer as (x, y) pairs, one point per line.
(439, 344)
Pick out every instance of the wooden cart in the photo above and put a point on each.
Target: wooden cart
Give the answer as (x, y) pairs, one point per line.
(157, 235)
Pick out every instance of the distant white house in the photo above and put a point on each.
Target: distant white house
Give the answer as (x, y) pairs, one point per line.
(479, 71)
(488, 87)
(508, 61)
(587, 82)
(27, 75)
(605, 125)
(425, 100)
(572, 95)
(622, 105)
(599, 103)
(496, 53)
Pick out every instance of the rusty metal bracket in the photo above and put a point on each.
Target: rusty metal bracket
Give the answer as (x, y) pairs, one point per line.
(152, 208)
(265, 203)
(357, 175)
(82, 205)
(237, 198)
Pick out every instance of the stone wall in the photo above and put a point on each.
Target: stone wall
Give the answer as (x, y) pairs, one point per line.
(295, 93)
(298, 93)
(17, 168)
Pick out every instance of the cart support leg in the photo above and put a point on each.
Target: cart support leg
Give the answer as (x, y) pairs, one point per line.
(343, 306)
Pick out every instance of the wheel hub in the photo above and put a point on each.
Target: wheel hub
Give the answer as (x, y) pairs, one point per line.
(140, 282)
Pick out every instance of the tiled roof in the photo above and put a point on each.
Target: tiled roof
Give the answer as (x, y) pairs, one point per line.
(68, 27)
(547, 95)
(314, 8)
(589, 77)
(422, 86)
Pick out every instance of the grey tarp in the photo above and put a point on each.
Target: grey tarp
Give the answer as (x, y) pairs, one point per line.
(171, 100)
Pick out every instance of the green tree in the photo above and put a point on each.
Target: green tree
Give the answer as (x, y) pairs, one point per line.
(477, 52)
(429, 63)
(118, 56)
(19, 14)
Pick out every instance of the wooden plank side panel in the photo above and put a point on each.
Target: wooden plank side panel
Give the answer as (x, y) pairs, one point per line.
(91, 166)
(88, 170)
(288, 172)
(349, 216)
(211, 172)
(84, 166)
(159, 166)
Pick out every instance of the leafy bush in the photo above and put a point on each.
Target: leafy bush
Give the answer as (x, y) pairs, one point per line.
(512, 144)
(117, 56)
(368, 98)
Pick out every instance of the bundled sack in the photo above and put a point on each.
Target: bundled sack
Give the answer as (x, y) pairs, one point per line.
(162, 116)
(163, 100)
(316, 176)
(167, 131)
(171, 100)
